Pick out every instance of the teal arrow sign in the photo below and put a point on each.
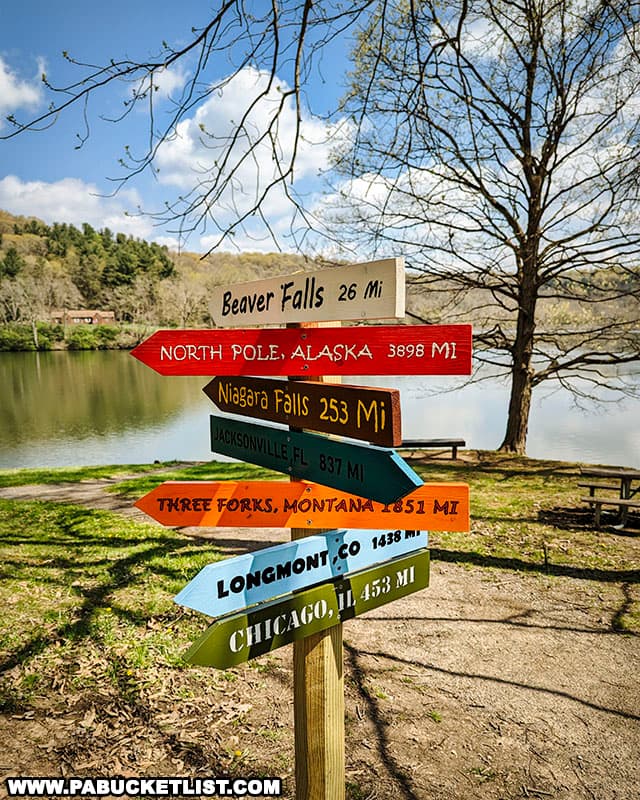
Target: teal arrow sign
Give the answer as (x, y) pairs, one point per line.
(235, 583)
(236, 638)
(376, 473)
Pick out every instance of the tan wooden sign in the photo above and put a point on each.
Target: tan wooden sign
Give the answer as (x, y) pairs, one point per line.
(373, 290)
(360, 412)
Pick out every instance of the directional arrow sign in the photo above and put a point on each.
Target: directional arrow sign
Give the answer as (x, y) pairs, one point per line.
(235, 583)
(371, 350)
(360, 412)
(237, 638)
(366, 470)
(274, 504)
(374, 290)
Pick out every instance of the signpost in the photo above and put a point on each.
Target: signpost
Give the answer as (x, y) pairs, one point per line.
(369, 491)
(378, 473)
(366, 350)
(360, 412)
(275, 504)
(235, 583)
(374, 290)
(236, 638)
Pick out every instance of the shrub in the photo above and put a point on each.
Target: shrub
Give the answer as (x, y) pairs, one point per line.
(16, 337)
(81, 337)
(106, 336)
(50, 333)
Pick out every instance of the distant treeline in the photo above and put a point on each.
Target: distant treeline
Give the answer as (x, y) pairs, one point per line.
(55, 267)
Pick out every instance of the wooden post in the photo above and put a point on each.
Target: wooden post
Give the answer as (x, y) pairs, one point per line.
(319, 716)
(318, 703)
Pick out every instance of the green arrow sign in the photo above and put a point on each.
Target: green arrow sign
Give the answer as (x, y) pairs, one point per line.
(237, 638)
(377, 473)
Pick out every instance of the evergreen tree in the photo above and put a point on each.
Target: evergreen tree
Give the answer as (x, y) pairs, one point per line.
(12, 263)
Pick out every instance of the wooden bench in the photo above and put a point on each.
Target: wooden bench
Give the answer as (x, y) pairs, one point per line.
(621, 503)
(593, 486)
(424, 444)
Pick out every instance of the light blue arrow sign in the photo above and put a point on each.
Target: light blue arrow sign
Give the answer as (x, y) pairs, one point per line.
(236, 583)
(377, 473)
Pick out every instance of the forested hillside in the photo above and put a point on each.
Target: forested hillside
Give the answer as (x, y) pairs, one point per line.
(52, 267)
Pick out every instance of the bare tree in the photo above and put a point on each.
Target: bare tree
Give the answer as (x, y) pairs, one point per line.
(497, 142)
(183, 302)
(31, 296)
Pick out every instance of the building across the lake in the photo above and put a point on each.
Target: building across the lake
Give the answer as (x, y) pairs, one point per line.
(83, 316)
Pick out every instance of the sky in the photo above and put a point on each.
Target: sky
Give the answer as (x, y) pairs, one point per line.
(44, 173)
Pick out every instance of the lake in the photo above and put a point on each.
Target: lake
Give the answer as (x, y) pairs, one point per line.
(85, 408)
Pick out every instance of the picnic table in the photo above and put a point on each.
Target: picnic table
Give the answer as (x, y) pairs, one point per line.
(624, 483)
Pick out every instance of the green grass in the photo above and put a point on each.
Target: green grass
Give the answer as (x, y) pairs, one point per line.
(24, 477)
(526, 515)
(209, 471)
(70, 574)
(87, 605)
(150, 475)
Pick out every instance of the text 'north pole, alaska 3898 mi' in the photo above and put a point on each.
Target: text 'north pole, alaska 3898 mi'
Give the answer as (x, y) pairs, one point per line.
(370, 350)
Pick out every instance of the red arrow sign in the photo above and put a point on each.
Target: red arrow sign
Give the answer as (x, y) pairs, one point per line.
(371, 350)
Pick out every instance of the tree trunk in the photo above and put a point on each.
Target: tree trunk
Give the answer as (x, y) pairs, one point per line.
(515, 438)
(522, 373)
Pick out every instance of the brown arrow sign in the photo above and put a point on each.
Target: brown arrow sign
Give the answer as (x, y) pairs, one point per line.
(360, 412)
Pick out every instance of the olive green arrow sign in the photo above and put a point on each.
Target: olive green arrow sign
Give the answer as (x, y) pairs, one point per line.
(239, 637)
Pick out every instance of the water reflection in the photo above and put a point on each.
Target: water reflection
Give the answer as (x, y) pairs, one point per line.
(64, 408)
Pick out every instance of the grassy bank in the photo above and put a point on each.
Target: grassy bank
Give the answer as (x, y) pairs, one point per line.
(89, 627)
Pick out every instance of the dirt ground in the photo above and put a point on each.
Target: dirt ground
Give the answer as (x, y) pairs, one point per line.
(489, 684)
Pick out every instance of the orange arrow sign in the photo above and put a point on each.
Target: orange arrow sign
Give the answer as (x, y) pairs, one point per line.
(272, 504)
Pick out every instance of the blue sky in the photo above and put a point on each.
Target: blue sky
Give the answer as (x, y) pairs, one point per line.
(43, 174)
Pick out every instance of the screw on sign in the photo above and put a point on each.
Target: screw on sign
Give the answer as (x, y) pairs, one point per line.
(274, 504)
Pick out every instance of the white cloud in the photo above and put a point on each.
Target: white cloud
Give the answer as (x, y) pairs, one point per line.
(197, 149)
(16, 93)
(188, 157)
(166, 82)
(249, 240)
(73, 201)
(171, 242)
